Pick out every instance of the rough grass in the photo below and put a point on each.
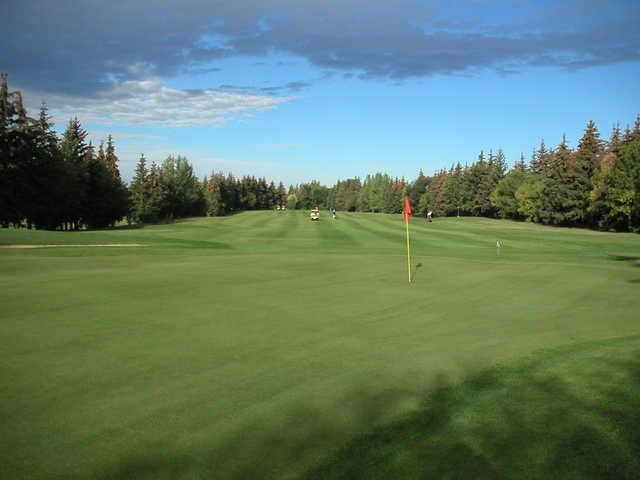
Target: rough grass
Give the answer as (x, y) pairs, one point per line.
(263, 345)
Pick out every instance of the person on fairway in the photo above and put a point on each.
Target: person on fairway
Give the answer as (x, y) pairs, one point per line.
(429, 213)
(333, 213)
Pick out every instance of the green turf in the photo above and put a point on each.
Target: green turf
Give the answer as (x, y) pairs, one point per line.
(259, 344)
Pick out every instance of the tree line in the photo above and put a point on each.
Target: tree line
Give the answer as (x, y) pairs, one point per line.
(50, 182)
(64, 183)
(597, 185)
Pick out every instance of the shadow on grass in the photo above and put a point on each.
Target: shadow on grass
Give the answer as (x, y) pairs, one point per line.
(414, 273)
(499, 423)
(495, 426)
(207, 244)
(633, 260)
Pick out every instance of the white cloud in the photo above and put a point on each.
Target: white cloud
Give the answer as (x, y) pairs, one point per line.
(148, 103)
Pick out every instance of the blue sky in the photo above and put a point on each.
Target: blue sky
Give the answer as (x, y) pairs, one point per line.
(301, 90)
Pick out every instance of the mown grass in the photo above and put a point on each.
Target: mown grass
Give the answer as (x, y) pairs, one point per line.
(258, 345)
(572, 412)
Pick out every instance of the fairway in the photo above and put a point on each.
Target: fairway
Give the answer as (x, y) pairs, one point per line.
(260, 344)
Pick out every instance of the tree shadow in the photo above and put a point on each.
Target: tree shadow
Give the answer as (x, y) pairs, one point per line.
(631, 259)
(495, 423)
(492, 426)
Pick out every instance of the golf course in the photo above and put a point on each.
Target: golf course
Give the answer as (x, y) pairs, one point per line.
(264, 345)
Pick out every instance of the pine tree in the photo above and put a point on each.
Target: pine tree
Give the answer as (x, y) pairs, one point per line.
(634, 134)
(452, 196)
(184, 195)
(74, 149)
(615, 141)
(48, 173)
(107, 198)
(588, 158)
(215, 194)
(139, 191)
(418, 188)
(540, 160)
(436, 192)
(158, 207)
(111, 159)
(15, 154)
(601, 182)
(478, 187)
(281, 195)
(520, 164)
(622, 197)
(101, 156)
(562, 202)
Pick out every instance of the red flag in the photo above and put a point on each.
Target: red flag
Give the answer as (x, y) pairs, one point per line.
(406, 215)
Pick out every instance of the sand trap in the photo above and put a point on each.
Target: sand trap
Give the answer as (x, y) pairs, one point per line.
(78, 246)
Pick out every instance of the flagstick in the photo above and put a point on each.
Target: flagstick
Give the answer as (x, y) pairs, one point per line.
(408, 253)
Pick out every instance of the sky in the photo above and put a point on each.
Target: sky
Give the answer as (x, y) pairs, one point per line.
(296, 90)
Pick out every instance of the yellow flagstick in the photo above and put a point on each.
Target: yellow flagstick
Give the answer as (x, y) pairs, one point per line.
(408, 252)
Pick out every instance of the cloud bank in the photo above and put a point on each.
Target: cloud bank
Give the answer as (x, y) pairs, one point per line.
(85, 47)
(106, 62)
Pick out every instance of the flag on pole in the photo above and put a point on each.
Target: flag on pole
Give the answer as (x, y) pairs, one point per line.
(407, 211)
(406, 215)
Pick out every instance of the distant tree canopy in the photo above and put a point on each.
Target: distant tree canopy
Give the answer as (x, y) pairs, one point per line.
(63, 183)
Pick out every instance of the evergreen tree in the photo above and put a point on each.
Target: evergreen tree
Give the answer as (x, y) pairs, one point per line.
(540, 160)
(215, 194)
(588, 157)
(74, 150)
(184, 195)
(634, 135)
(48, 173)
(562, 202)
(344, 195)
(281, 195)
(158, 202)
(106, 196)
(394, 194)
(139, 191)
(622, 197)
(101, 155)
(111, 159)
(520, 164)
(372, 195)
(436, 192)
(15, 155)
(615, 141)
(598, 206)
(418, 188)
(478, 188)
(452, 196)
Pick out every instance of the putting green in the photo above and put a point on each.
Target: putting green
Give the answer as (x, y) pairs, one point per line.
(172, 360)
